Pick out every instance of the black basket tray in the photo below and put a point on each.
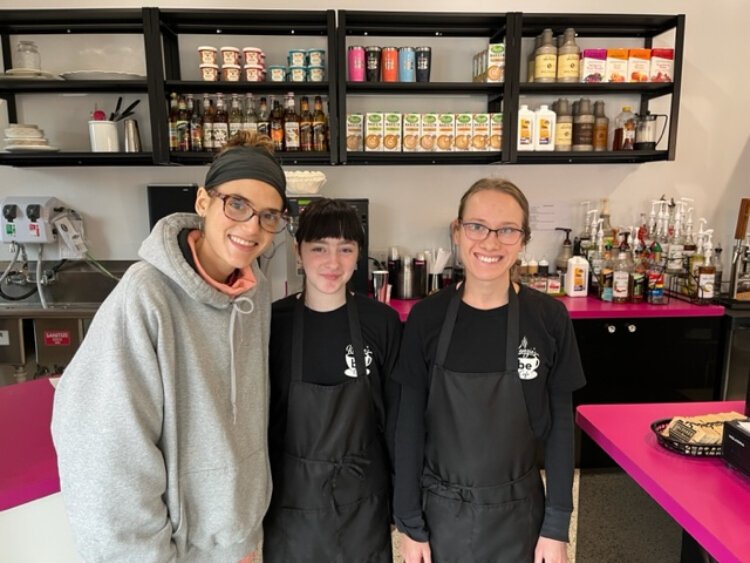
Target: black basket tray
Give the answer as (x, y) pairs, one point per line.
(692, 450)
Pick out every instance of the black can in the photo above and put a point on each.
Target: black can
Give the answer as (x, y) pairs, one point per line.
(424, 58)
(372, 63)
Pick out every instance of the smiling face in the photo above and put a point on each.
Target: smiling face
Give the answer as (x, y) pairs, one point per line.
(329, 264)
(228, 245)
(489, 260)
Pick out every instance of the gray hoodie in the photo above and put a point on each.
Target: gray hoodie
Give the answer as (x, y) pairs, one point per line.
(160, 420)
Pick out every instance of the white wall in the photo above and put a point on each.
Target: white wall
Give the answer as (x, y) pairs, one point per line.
(412, 205)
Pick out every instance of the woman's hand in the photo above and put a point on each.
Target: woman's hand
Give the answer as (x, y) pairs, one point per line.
(550, 551)
(415, 551)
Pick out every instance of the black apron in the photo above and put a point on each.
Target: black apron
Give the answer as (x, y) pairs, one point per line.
(481, 489)
(331, 484)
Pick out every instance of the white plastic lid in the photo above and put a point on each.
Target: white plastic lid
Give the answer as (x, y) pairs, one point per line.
(207, 48)
(252, 49)
(259, 67)
(231, 66)
(235, 49)
(208, 65)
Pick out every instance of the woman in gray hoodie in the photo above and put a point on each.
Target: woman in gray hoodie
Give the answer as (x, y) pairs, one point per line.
(160, 420)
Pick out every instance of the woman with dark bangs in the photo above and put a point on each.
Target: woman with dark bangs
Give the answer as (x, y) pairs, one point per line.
(332, 352)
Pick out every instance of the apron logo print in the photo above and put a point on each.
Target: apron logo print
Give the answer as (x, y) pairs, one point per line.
(351, 363)
(528, 361)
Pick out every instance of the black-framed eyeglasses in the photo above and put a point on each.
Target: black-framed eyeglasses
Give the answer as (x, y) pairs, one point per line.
(239, 209)
(506, 235)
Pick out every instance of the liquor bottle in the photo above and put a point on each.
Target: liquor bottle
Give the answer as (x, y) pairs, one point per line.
(221, 124)
(707, 273)
(291, 125)
(277, 126)
(305, 125)
(235, 116)
(655, 291)
(719, 269)
(196, 125)
(621, 272)
(320, 127)
(264, 125)
(208, 123)
(251, 117)
(183, 126)
(605, 275)
(610, 234)
(173, 109)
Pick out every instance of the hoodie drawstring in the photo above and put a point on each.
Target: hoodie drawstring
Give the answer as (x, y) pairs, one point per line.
(236, 308)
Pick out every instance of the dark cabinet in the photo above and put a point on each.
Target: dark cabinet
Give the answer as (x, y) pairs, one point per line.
(647, 360)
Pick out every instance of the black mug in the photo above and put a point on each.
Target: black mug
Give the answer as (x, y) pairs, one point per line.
(424, 60)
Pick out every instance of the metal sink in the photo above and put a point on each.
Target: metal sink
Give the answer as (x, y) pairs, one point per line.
(35, 310)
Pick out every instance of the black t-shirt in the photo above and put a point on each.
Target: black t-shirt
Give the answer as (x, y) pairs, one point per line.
(328, 356)
(550, 368)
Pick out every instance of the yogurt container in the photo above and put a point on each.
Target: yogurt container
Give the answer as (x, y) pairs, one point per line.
(316, 57)
(297, 57)
(230, 56)
(207, 55)
(297, 73)
(315, 74)
(209, 72)
(252, 56)
(277, 73)
(231, 73)
(254, 73)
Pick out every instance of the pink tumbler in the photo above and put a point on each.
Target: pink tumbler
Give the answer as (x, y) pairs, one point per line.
(356, 63)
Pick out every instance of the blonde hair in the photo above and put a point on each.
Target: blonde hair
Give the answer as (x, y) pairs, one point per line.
(503, 186)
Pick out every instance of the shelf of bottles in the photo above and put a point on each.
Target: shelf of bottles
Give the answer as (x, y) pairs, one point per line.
(200, 126)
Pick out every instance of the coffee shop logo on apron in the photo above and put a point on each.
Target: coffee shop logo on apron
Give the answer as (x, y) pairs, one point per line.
(351, 363)
(528, 361)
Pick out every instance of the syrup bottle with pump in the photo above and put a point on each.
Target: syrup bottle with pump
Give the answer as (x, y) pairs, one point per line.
(566, 252)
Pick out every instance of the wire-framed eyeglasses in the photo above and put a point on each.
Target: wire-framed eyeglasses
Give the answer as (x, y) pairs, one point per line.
(238, 209)
(506, 235)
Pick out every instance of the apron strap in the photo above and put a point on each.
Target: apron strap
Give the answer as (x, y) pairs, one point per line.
(446, 332)
(513, 331)
(298, 334)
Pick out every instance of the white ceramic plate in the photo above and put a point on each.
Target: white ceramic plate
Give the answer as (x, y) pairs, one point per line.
(28, 74)
(100, 75)
(31, 148)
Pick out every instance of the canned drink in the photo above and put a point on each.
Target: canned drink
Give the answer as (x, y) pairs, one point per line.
(356, 62)
(407, 64)
(424, 62)
(389, 64)
(373, 63)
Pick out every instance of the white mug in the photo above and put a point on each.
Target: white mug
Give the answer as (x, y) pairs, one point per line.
(103, 136)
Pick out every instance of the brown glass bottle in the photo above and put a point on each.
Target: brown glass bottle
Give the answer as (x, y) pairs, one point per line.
(277, 126)
(221, 124)
(305, 125)
(264, 126)
(291, 125)
(173, 109)
(235, 116)
(208, 123)
(320, 127)
(196, 124)
(183, 126)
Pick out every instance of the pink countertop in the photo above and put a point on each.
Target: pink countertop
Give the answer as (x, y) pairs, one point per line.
(592, 308)
(28, 463)
(710, 501)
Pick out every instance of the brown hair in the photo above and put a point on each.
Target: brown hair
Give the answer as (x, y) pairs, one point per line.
(503, 186)
(249, 139)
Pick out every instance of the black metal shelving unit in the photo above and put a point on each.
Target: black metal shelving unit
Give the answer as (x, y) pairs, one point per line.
(161, 28)
(494, 27)
(645, 27)
(65, 22)
(172, 23)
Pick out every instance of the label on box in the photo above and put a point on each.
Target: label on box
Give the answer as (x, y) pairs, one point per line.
(496, 131)
(593, 65)
(374, 132)
(392, 132)
(354, 130)
(446, 132)
(662, 65)
(411, 127)
(428, 132)
(463, 131)
(480, 132)
(617, 65)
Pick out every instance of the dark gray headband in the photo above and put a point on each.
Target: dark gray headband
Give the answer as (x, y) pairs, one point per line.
(247, 163)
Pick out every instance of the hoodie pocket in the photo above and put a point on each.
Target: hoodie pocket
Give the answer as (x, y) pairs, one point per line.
(225, 505)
